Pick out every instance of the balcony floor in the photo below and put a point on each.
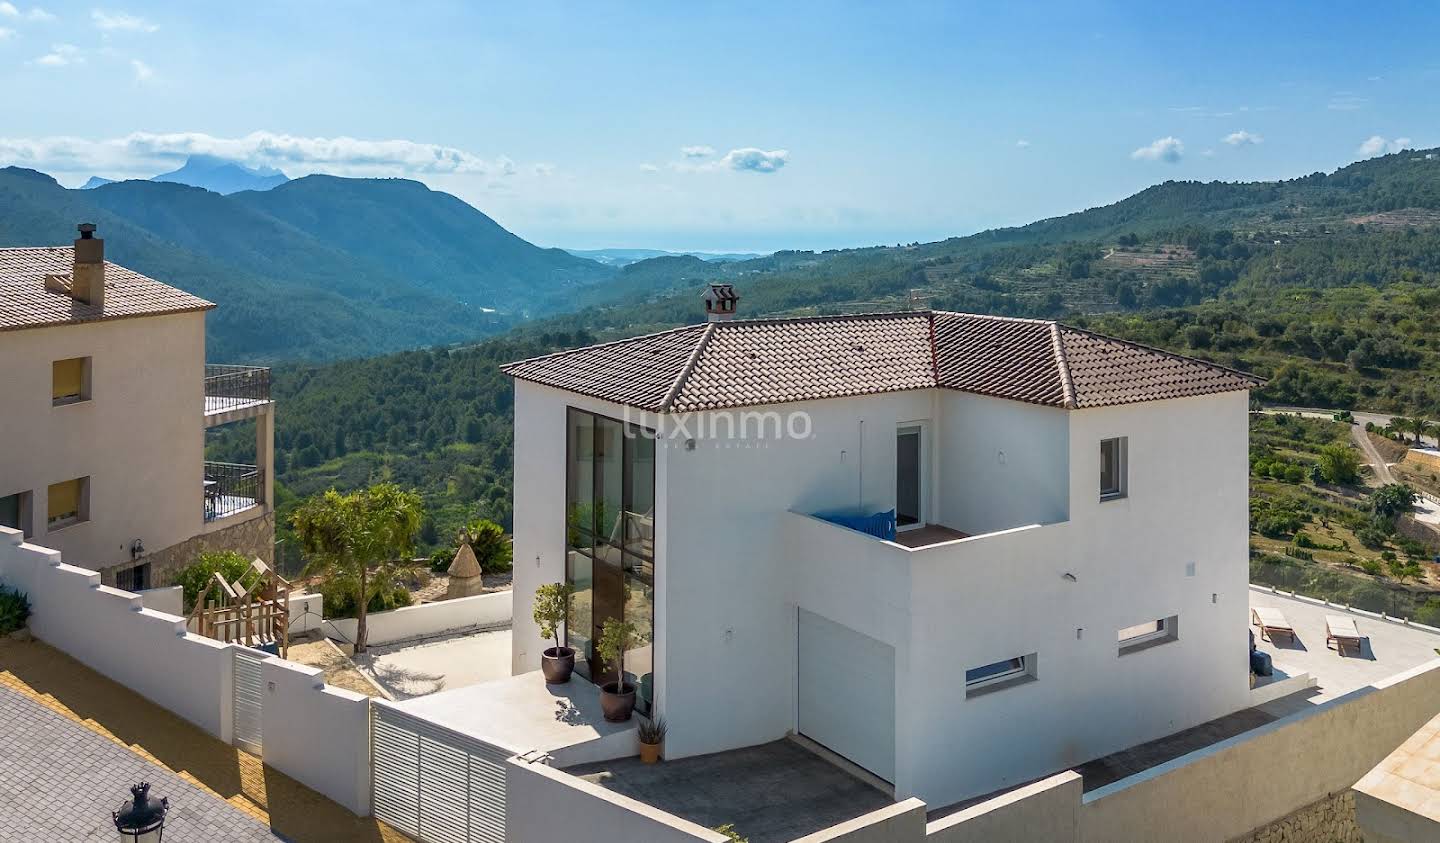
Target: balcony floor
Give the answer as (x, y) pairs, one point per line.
(928, 535)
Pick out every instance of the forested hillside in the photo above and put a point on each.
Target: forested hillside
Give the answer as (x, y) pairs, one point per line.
(1328, 285)
(317, 268)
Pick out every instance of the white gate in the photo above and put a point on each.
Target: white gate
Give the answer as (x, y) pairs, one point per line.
(433, 783)
(248, 697)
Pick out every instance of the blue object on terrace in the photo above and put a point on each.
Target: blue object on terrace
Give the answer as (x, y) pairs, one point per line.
(880, 525)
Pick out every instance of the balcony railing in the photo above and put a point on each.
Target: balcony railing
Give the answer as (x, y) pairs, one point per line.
(232, 387)
(231, 488)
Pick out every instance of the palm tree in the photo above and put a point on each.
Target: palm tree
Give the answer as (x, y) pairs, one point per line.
(344, 535)
(1421, 428)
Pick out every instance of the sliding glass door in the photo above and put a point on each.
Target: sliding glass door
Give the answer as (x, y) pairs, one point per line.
(609, 537)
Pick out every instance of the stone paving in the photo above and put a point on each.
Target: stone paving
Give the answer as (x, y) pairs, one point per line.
(60, 781)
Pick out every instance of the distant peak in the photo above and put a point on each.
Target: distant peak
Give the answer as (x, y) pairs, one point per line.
(223, 175)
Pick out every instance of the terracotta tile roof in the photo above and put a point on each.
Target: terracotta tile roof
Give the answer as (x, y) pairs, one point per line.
(745, 363)
(26, 303)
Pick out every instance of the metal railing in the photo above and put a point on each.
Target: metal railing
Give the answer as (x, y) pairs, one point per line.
(231, 488)
(228, 387)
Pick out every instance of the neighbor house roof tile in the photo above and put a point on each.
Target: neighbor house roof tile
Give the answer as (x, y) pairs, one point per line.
(25, 302)
(744, 363)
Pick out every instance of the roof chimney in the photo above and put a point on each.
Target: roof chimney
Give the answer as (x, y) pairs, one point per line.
(87, 279)
(720, 303)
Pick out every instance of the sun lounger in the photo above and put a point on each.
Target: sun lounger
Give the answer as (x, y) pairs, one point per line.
(1271, 621)
(1341, 629)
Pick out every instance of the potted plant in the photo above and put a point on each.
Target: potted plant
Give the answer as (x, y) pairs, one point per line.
(552, 606)
(617, 698)
(652, 737)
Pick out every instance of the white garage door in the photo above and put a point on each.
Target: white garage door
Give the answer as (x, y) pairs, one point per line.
(846, 693)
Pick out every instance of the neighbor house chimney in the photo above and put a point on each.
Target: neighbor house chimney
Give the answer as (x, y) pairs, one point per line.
(87, 279)
(720, 302)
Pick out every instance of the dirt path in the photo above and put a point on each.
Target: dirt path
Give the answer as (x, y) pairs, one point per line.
(1383, 477)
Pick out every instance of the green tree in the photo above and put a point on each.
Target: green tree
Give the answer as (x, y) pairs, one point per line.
(1339, 464)
(491, 546)
(197, 582)
(345, 535)
(551, 608)
(1391, 499)
(616, 636)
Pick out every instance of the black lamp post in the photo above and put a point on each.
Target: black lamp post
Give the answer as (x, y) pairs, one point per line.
(141, 819)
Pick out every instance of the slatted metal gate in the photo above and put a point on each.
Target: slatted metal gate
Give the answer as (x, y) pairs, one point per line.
(433, 783)
(248, 696)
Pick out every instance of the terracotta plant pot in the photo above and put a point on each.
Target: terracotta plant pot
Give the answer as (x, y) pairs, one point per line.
(557, 664)
(649, 753)
(617, 705)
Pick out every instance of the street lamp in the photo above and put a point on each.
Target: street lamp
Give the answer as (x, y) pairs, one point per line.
(141, 819)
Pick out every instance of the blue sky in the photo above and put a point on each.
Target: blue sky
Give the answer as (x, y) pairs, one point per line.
(807, 125)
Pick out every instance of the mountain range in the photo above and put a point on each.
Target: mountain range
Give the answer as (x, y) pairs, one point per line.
(212, 173)
(314, 268)
(625, 257)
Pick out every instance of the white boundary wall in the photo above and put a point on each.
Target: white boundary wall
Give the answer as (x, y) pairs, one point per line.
(110, 632)
(317, 735)
(427, 619)
(545, 805)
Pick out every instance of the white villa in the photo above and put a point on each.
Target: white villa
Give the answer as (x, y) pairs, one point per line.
(960, 552)
(106, 403)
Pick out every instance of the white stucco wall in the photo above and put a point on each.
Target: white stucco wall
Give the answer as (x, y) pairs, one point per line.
(1004, 463)
(734, 561)
(140, 438)
(998, 597)
(425, 619)
(544, 805)
(317, 735)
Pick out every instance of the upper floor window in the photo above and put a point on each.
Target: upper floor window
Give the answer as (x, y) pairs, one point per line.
(70, 381)
(67, 503)
(1001, 674)
(1113, 468)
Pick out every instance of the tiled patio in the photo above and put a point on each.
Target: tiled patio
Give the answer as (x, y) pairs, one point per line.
(60, 781)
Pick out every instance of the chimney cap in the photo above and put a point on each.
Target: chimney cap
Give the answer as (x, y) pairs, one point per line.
(721, 292)
(86, 229)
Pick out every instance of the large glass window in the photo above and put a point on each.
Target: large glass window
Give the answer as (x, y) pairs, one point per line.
(610, 541)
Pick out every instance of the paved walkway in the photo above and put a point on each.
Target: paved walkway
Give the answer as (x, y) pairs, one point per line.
(150, 734)
(60, 781)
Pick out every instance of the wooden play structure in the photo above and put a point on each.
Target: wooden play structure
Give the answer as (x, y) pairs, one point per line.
(254, 610)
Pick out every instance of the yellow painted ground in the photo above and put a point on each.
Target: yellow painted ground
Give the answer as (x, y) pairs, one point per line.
(291, 809)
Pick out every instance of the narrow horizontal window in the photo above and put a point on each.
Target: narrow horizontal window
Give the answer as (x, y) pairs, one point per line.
(1001, 674)
(1144, 635)
(67, 503)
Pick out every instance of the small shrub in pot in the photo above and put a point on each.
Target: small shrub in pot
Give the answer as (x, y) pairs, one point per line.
(652, 736)
(552, 606)
(617, 698)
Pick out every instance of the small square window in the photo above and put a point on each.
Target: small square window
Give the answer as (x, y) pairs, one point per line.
(67, 503)
(1113, 468)
(70, 381)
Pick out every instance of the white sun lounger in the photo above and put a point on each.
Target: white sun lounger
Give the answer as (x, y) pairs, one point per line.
(1271, 621)
(1341, 629)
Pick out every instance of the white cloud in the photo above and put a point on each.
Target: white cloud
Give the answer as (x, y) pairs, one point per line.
(1168, 149)
(1376, 145)
(8, 10)
(649, 168)
(752, 160)
(700, 151)
(61, 55)
(144, 153)
(544, 170)
(1243, 138)
(143, 71)
(1022, 143)
(120, 22)
(6, 33)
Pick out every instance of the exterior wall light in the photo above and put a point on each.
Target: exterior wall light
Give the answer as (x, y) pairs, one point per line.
(141, 819)
(137, 549)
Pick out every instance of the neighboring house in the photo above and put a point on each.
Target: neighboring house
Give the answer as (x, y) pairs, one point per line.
(1045, 559)
(105, 400)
